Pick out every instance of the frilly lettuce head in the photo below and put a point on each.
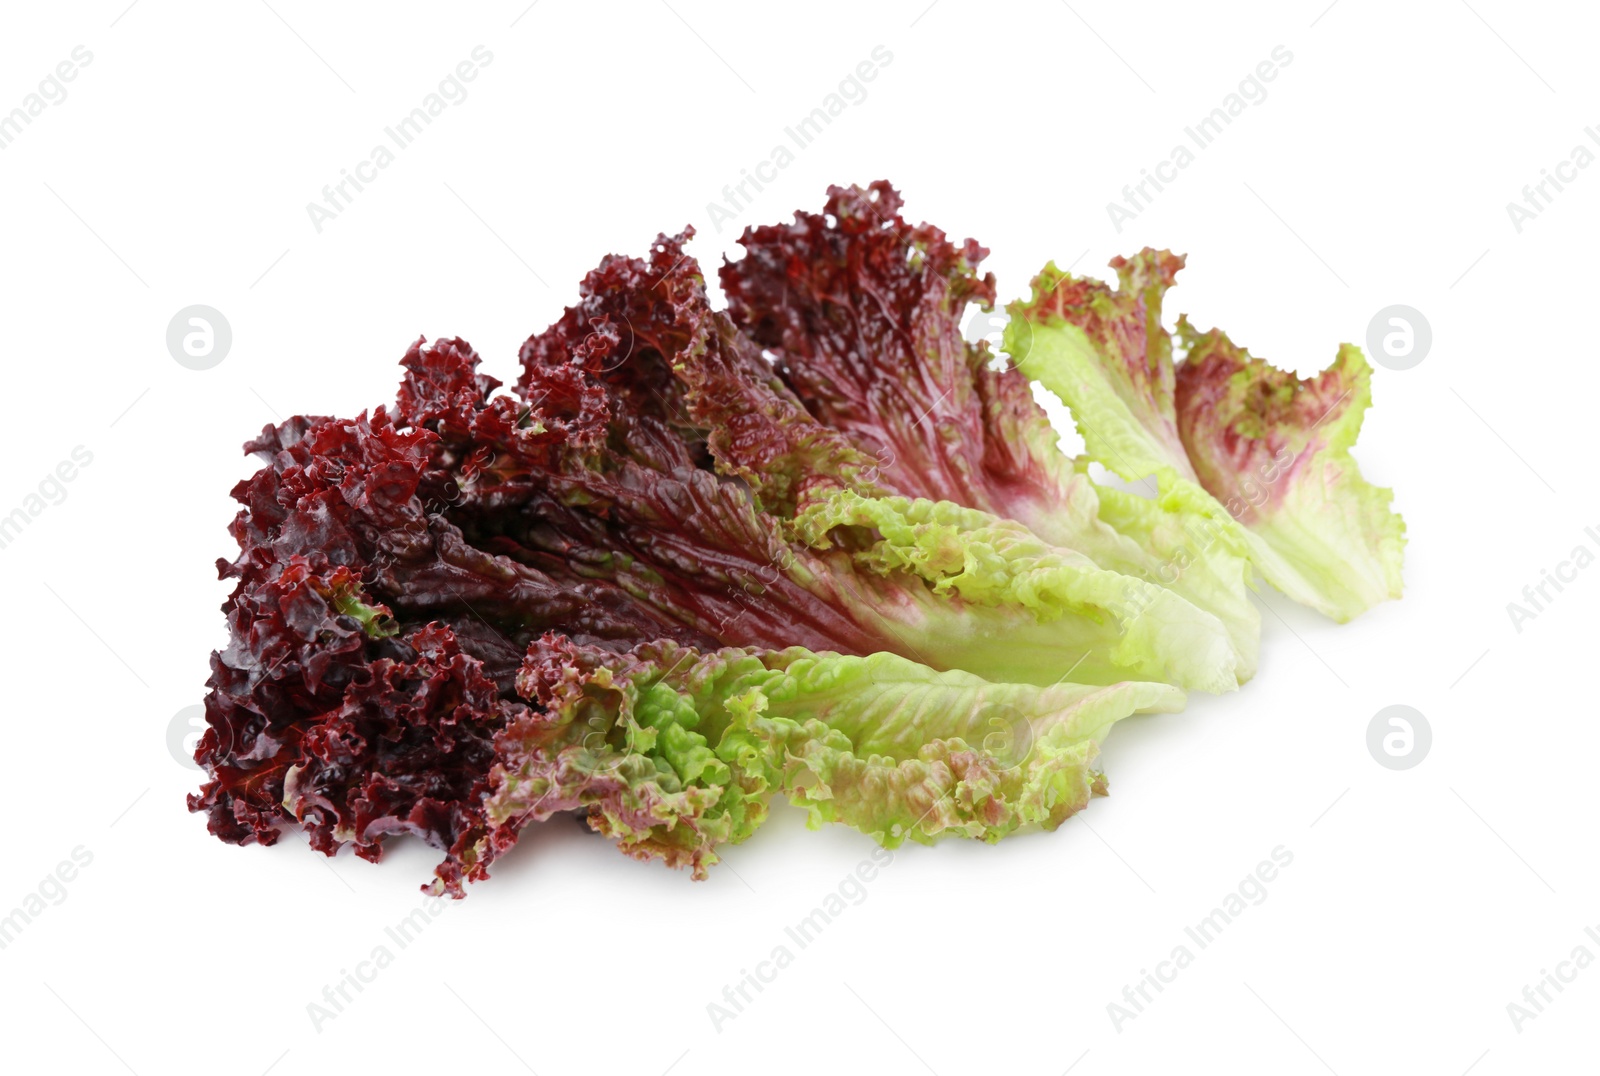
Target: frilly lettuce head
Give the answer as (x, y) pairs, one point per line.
(819, 545)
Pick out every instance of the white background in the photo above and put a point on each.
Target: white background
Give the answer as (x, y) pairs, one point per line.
(1377, 171)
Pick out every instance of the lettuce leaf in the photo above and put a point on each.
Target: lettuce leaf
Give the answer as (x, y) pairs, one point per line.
(1017, 605)
(1275, 451)
(1257, 453)
(862, 314)
(673, 751)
